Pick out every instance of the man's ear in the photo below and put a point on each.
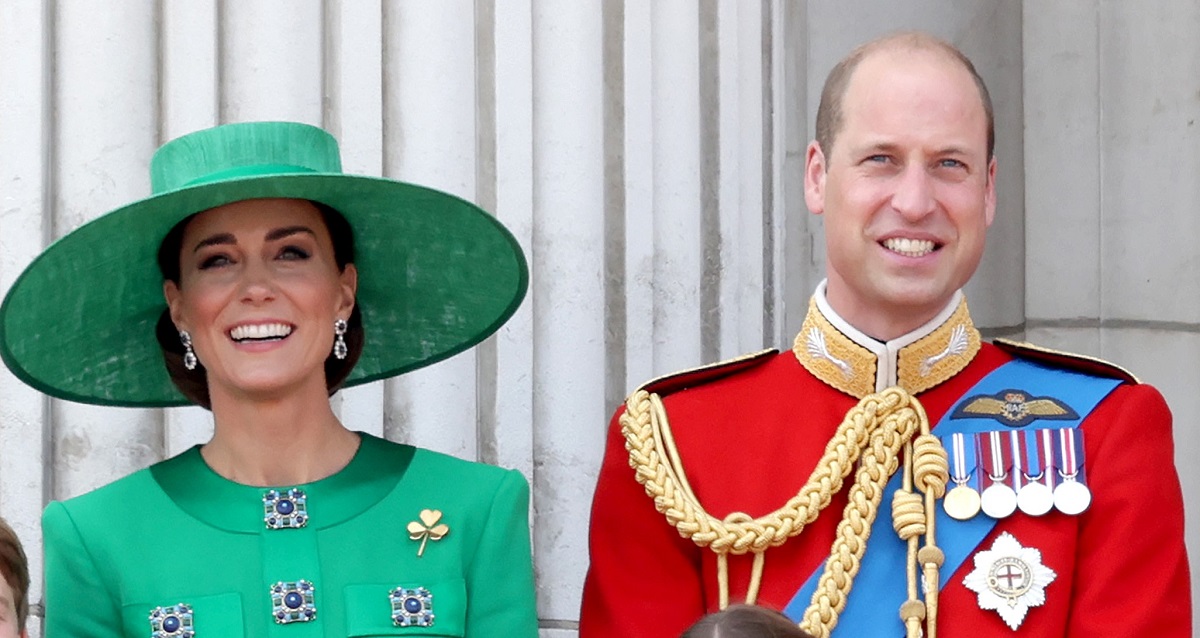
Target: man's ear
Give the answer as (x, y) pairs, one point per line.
(989, 195)
(814, 178)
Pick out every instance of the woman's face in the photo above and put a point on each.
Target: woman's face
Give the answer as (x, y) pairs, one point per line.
(259, 291)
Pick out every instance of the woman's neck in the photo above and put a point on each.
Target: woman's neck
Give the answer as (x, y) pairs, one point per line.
(278, 442)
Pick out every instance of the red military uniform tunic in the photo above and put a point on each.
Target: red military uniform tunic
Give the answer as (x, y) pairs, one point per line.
(749, 435)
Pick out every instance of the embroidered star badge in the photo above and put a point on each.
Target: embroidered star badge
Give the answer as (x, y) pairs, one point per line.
(1009, 579)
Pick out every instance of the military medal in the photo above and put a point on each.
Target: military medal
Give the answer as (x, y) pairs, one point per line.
(962, 501)
(998, 499)
(1036, 496)
(1072, 495)
(1009, 579)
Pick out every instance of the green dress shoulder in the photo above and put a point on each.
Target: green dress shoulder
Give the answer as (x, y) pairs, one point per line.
(401, 542)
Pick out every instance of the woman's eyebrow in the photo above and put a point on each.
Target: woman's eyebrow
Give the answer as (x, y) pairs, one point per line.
(280, 233)
(219, 238)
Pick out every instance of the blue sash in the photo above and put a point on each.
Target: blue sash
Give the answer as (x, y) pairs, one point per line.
(883, 565)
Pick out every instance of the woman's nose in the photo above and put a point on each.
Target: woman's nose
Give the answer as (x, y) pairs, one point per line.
(257, 283)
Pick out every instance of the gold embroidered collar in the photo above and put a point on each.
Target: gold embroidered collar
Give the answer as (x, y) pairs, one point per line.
(850, 361)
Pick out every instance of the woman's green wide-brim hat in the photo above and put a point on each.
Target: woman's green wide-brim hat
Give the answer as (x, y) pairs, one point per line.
(436, 274)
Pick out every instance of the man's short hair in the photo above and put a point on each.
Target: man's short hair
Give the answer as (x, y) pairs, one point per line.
(14, 568)
(829, 113)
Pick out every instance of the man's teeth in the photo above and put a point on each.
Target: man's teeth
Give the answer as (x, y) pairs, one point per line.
(909, 247)
(260, 331)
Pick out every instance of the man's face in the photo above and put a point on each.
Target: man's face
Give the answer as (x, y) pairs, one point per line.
(8, 612)
(907, 190)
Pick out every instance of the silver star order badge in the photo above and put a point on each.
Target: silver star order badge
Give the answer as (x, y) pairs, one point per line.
(1009, 579)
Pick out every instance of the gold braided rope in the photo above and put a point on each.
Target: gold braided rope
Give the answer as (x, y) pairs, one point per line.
(873, 433)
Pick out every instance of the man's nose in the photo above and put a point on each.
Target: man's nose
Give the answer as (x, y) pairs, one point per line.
(913, 197)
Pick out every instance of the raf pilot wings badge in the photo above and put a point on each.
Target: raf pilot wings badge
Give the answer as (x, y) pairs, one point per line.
(1014, 408)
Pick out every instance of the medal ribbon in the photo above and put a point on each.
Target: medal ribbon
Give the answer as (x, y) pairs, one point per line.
(1069, 453)
(1042, 453)
(962, 457)
(1017, 448)
(997, 458)
(874, 614)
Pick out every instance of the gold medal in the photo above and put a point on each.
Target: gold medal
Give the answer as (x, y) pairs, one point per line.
(961, 503)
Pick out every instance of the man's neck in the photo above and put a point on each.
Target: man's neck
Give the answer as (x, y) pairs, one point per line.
(882, 324)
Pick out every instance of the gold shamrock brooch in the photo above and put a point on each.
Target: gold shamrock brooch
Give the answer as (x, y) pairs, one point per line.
(427, 529)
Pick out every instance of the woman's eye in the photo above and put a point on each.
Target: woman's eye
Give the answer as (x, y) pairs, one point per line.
(293, 252)
(214, 261)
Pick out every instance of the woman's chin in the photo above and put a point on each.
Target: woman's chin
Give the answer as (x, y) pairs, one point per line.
(269, 384)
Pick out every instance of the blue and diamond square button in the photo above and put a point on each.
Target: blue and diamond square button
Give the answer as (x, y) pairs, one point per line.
(172, 622)
(412, 607)
(293, 602)
(283, 509)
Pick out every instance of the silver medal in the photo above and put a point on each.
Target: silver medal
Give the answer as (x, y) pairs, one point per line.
(1072, 497)
(998, 500)
(1035, 498)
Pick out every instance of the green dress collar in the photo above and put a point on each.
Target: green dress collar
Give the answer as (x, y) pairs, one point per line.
(371, 475)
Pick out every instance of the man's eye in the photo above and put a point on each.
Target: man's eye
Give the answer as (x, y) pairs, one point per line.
(878, 159)
(951, 163)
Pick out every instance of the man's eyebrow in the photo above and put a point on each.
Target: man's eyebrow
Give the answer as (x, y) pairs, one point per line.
(953, 150)
(878, 146)
(280, 233)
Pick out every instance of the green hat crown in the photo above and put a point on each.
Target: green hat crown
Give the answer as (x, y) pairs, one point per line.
(242, 150)
(436, 274)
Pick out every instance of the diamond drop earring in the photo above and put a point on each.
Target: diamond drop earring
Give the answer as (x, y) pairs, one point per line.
(189, 355)
(339, 344)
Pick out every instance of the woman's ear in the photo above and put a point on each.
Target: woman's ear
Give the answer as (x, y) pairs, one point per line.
(172, 295)
(348, 280)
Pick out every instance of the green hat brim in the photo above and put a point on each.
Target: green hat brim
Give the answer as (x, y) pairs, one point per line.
(436, 275)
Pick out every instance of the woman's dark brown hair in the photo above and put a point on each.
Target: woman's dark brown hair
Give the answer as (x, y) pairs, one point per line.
(14, 569)
(194, 383)
(745, 621)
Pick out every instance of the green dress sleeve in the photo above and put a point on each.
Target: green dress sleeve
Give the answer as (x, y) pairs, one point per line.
(79, 601)
(500, 589)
